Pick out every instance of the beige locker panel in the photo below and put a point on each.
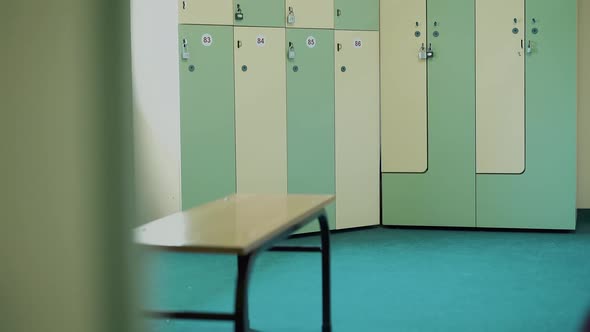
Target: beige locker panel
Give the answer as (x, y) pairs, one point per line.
(357, 128)
(404, 127)
(309, 14)
(261, 128)
(500, 90)
(218, 12)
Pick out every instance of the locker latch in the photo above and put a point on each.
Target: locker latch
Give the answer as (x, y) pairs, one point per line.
(183, 4)
(185, 54)
(422, 53)
(291, 16)
(529, 48)
(239, 14)
(429, 52)
(291, 52)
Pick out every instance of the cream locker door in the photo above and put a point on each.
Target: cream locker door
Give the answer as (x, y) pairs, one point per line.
(218, 12)
(261, 128)
(310, 13)
(500, 90)
(357, 128)
(404, 127)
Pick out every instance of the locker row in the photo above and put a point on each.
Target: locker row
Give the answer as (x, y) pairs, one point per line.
(275, 110)
(317, 14)
(478, 114)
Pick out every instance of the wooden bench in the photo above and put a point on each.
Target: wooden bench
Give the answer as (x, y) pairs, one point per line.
(243, 225)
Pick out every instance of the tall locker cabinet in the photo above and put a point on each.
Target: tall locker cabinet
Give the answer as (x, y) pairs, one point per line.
(428, 113)
(261, 117)
(206, 113)
(310, 114)
(544, 195)
(357, 128)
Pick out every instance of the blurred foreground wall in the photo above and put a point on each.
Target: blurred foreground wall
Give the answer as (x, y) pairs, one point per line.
(65, 166)
(156, 103)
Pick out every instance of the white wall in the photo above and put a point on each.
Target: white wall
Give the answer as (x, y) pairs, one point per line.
(154, 29)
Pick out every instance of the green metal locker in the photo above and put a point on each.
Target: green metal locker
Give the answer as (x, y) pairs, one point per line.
(259, 13)
(206, 113)
(310, 114)
(445, 194)
(544, 196)
(357, 14)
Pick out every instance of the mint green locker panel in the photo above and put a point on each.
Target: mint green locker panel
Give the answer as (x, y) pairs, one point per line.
(310, 114)
(445, 194)
(357, 14)
(544, 196)
(259, 13)
(206, 113)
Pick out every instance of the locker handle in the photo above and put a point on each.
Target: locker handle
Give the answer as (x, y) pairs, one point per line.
(338, 12)
(239, 43)
(184, 4)
(338, 47)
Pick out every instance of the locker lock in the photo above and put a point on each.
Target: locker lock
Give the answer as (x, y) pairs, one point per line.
(239, 14)
(529, 48)
(291, 52)
(429, 52)
(185, 54)
(291, 16)
(422, 53)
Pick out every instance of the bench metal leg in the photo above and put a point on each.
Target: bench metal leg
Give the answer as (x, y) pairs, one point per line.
(326, 278)
(242, 322)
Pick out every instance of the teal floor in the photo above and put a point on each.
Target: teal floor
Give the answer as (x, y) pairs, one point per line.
(393, 280)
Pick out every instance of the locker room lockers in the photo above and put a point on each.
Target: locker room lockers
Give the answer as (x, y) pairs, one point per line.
(260, 110)
(357, 128)
(445, 194)
(215, 12)
(309, 14)
(259, 13)
(356, 15)
(544, 196)
(310, 113)
(500, 57)
(403, 90)
(206, 113)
